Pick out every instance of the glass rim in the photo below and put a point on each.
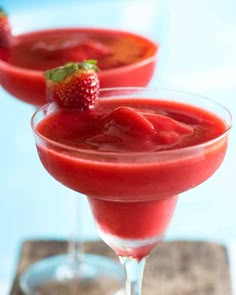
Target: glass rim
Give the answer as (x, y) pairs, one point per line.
(131, 155)
(102, 73)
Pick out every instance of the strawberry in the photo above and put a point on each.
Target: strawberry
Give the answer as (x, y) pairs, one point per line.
(74, 85)
(5, 30)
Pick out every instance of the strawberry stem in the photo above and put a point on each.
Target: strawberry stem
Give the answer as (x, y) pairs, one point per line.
(60, 73)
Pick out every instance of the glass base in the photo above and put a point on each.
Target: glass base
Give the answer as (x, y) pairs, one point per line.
(94, 274)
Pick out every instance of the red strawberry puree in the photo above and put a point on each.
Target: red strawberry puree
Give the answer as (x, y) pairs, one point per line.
(137, 162)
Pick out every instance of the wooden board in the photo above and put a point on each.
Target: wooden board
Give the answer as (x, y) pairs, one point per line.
(173, 268)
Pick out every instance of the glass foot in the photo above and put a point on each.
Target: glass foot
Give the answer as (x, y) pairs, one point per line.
(61, 275)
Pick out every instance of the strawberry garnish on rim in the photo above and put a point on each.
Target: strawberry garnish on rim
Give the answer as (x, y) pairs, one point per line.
(74, 85)
(5, 30)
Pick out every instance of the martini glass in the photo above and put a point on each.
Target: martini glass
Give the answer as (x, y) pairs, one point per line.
(133, 194)
(21, 75)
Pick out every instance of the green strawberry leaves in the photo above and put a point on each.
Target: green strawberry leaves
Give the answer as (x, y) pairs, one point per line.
(61, 73)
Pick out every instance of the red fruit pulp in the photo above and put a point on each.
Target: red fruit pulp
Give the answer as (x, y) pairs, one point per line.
(132, 178)
(133, 221)
(125, 59)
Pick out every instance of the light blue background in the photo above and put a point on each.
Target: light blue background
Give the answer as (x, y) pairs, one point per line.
(198, 54)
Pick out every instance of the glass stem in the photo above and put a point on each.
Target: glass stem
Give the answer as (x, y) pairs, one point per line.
(134, 274)
(76, 243)
(76, 250)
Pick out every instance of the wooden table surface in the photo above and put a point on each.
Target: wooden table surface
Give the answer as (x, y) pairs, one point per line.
(173, 268)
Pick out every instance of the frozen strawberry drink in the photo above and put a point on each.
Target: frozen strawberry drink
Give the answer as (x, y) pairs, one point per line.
(132, 154)
(124, 58)
(131, 151)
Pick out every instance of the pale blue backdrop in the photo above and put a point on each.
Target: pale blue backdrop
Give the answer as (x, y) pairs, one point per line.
(198, 54)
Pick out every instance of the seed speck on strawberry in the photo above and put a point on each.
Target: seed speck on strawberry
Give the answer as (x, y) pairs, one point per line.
(74, 85)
